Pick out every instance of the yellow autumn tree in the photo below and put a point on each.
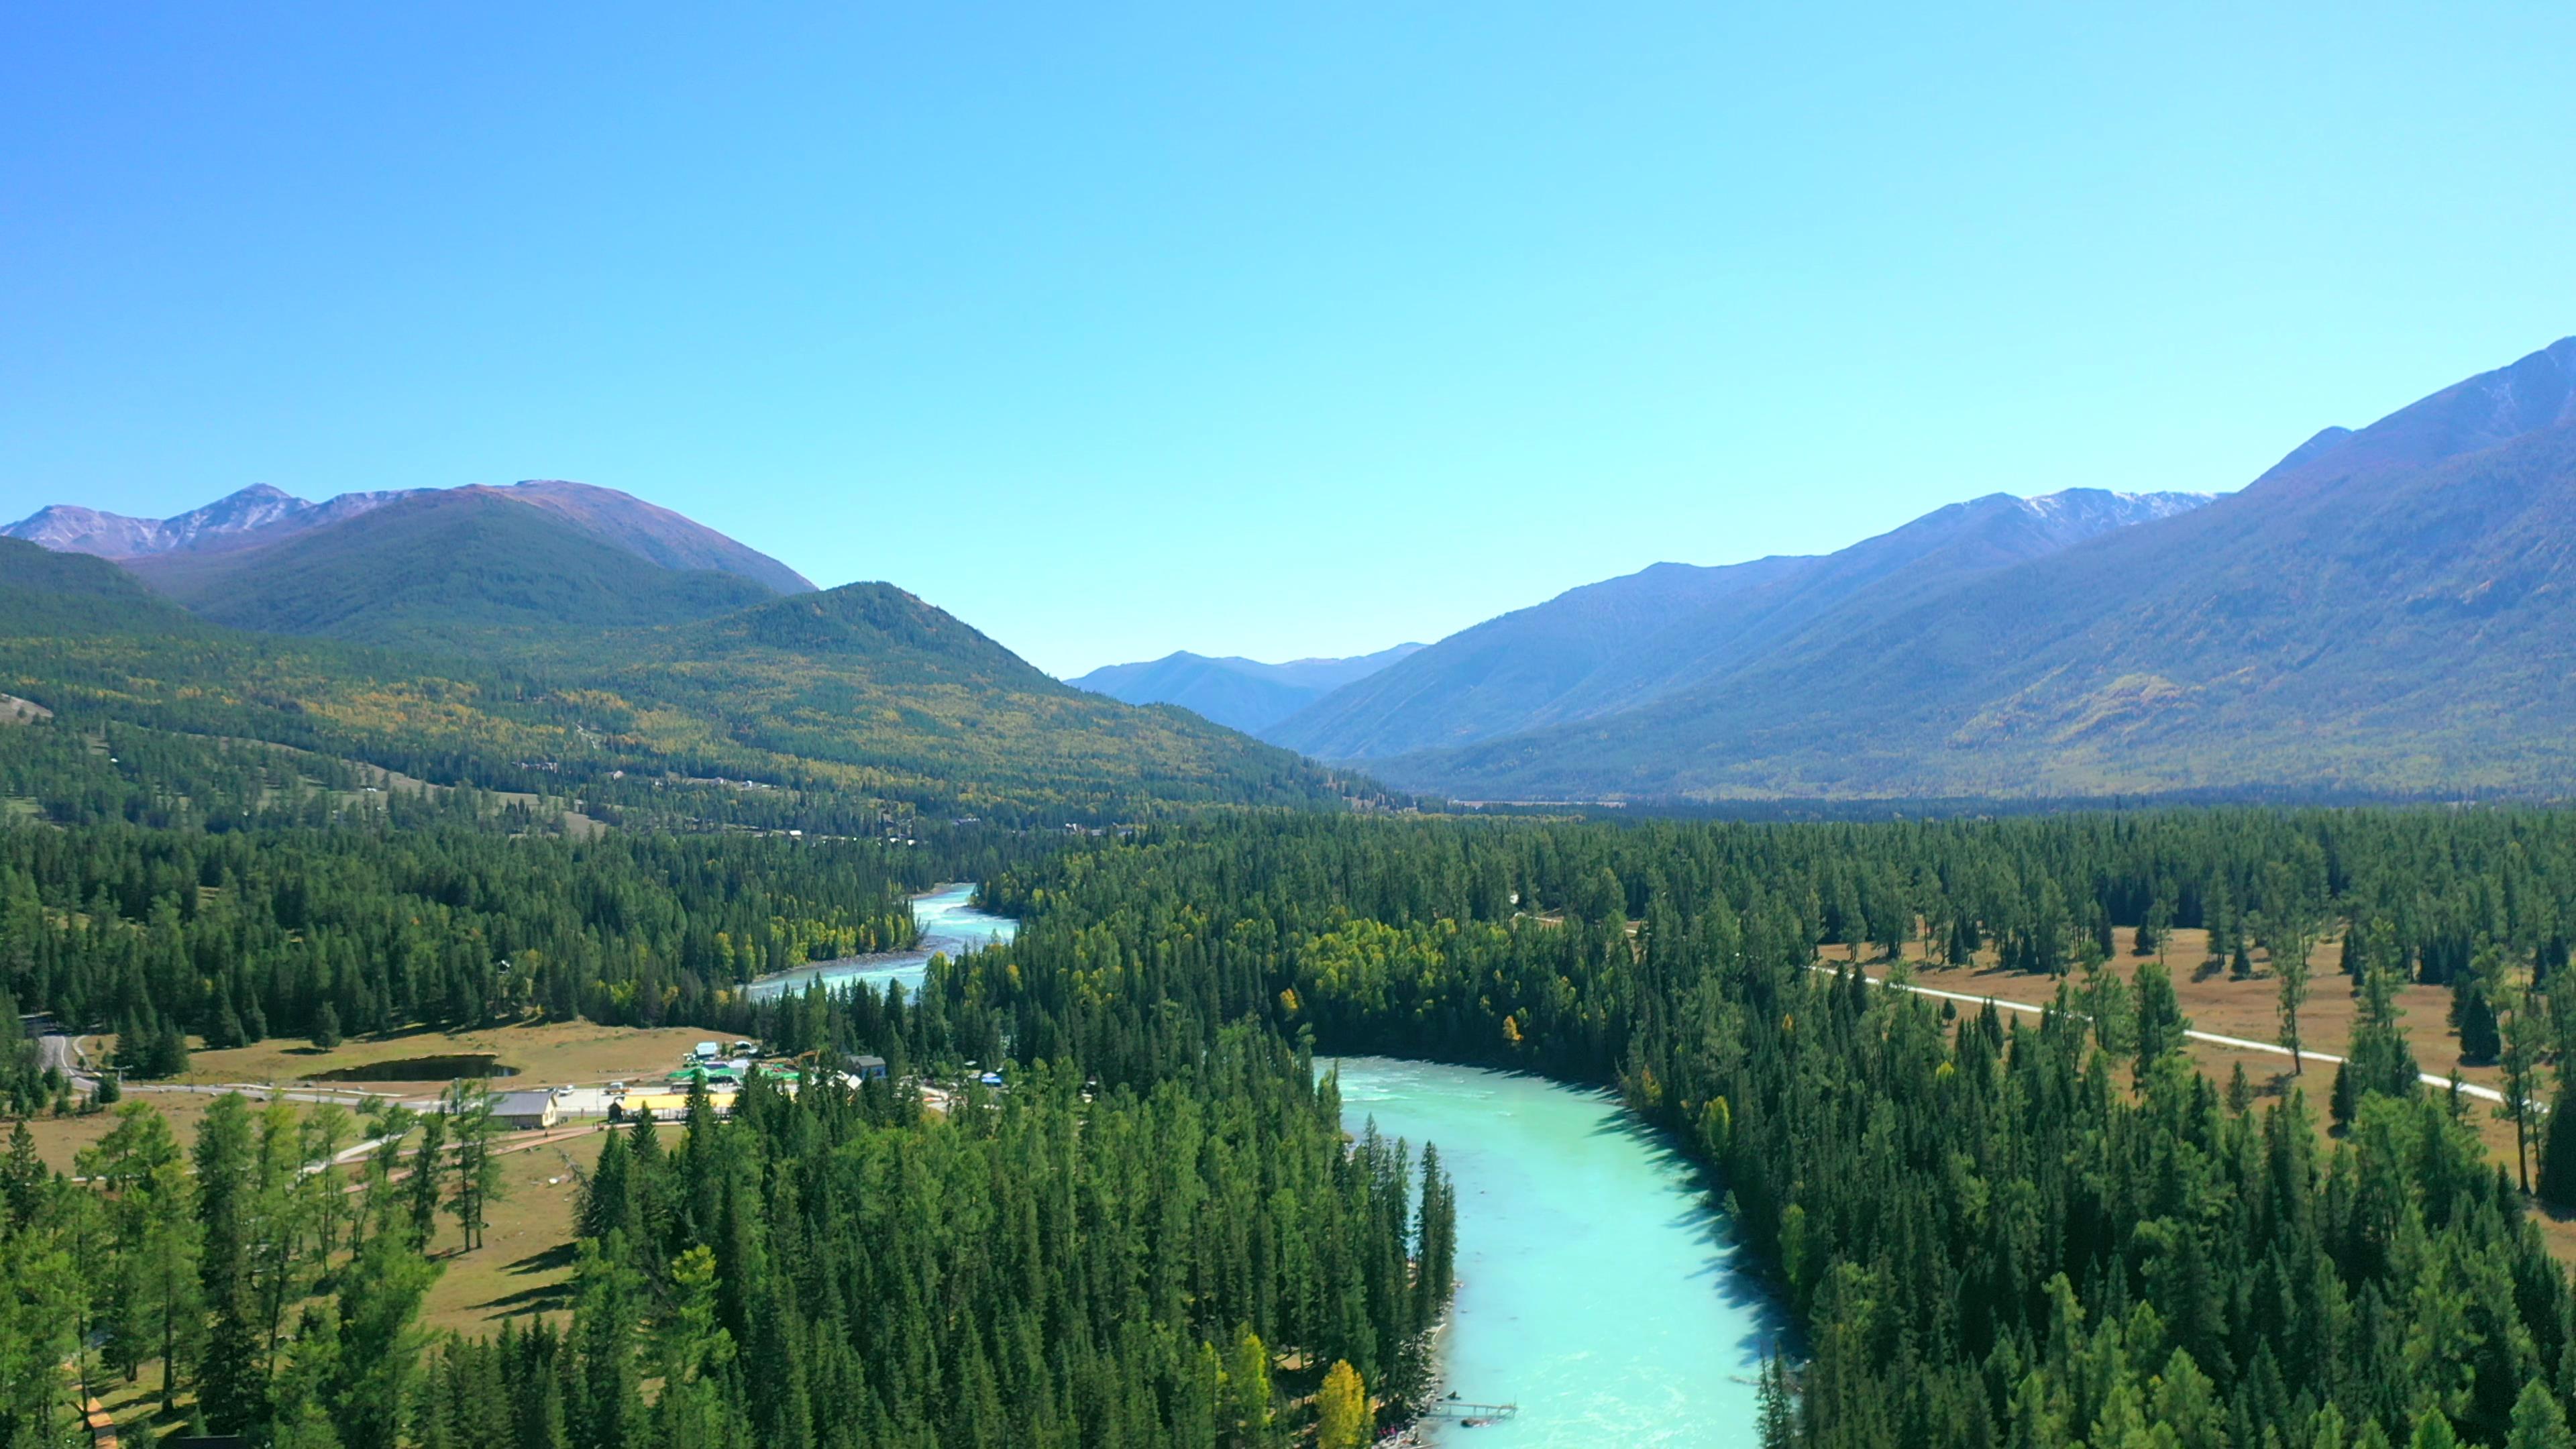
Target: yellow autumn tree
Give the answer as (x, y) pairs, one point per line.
(1342, 1417)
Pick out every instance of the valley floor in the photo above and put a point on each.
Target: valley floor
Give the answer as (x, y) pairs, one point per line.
(2218, 1004)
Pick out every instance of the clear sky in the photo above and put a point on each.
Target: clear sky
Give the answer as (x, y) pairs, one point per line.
(1273, 330)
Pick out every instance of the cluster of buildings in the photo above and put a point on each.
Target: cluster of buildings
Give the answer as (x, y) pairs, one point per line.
(722, 1073)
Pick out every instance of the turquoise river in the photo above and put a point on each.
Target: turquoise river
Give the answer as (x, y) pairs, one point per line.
(1597, 1290)
(950, 925)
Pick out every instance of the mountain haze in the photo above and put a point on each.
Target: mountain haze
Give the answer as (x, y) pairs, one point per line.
(816, 710)
(2388, 609)
(1613, 646)
(563, 641)
(1243, 694)
(258, 511)
(261, 516)
(441, 570)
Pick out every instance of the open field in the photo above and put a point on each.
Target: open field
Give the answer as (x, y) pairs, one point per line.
(526, 1258)
(60, 1139)
(525, 1263)
(2215, 1002)
(2249, 1009)
(547, 1054)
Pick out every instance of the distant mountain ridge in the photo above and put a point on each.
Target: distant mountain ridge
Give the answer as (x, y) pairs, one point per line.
(522, 654)
(2388, 609)
(1612, 646)
(72, 528)
(445, 570)
(262, 516)
(1243, 694)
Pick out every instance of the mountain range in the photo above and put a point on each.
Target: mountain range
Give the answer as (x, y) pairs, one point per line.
(1613, 646)
(261, 517)
(570, 640)
(2388, 609)
(1243, 694)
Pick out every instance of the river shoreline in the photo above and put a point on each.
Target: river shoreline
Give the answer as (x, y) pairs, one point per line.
(951, 926)
(1599, 1289)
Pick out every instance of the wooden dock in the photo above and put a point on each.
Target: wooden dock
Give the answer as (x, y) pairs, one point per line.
(1463, 1412)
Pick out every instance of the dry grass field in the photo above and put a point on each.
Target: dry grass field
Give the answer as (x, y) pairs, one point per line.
(546, 1054)
(2218, 1003)
(60, 1139)
(2249, 1009)
(525, 1263)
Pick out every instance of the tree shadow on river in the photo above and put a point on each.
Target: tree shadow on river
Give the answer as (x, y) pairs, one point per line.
(1737, 1273)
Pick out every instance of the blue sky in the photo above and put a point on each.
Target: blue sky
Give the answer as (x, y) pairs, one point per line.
(1272, 330)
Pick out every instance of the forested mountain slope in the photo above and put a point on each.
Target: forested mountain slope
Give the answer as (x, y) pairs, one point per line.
(822, 709)
(650, 531)
(1243, 694)
(2386, 610)
(463, 569)
(1613, 646)
(867, 681)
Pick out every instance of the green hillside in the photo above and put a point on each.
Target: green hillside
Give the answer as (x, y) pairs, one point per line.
(460, 570)
(819, 712)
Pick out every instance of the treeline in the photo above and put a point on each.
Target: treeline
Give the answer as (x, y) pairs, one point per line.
(220, 1264)
(91, 766)
(1041, 1267)
(1993, 1235)
(248, 934)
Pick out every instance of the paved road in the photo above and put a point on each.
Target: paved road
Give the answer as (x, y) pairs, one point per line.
(348, 1097)
(59, 1050)
(2467, 1089)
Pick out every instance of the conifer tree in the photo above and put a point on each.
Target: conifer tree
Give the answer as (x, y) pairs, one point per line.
(421, 1190)
(379, 1340)
(2291, 972)
(2539, 1421)
(2160, 1019)
(2557, 1186)
(230, 1393)
(22, 1178)
(155, 1302)
(1776, 1419)
(479, 1181)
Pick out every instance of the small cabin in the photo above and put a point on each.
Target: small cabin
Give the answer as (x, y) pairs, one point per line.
(525, 1111)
